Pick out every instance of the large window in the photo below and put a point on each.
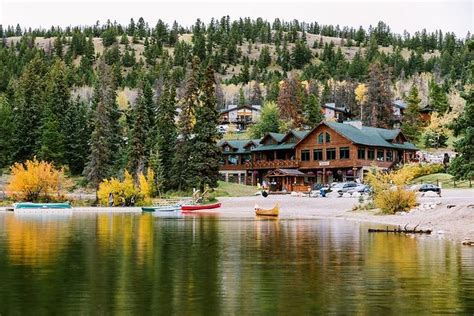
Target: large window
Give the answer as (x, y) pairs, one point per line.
(318, 154)
(380, 155)
(361, 153)
(344, 153)
(330, 153)
(371, 154)
(389, 155)
(305, 155)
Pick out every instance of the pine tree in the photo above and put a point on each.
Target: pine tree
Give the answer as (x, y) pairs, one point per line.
(256, 97)
(411, 125)
(166, 135)
(6, 132)
(438, 98)
(378, 110)
(462, 167)
(138, 155)
(105, 143)
(205, 155)
(76, 136)
(57, 102)
(290, 103)
(181, 165)
(313, 113)
(300, 55)
(29, 105)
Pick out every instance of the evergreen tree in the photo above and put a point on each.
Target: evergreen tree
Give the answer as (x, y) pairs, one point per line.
(264, 60)
(290, 103)
(300, 55)
(6, 132)
(378, 110)
(256, 97)
(438, 98)
(411, 125)
(138, 154)
(76, 136)
(205, 155)
(182, 166)
(57, 102)
(313, 113)
(462, 167)
(105, 143)
(166, 135)
(29, 106)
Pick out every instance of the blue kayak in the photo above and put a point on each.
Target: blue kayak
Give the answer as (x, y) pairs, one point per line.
(29, 205)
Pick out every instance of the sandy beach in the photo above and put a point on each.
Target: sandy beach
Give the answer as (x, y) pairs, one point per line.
(455, 223)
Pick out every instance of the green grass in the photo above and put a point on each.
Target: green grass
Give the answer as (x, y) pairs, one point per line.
(234, 190)
(445, 179)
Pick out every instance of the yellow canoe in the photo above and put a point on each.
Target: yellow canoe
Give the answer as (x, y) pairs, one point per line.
(271, 212)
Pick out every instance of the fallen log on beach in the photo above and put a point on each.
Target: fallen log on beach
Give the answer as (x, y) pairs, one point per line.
(400, 230)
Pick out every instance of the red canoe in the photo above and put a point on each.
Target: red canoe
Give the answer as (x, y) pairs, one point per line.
(200, 207)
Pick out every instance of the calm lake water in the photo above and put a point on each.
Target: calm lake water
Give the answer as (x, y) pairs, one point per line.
(139, 264)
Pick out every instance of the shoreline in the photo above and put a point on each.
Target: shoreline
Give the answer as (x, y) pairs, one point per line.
(455, 223)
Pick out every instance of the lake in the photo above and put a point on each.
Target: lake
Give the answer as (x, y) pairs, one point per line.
(102, 263)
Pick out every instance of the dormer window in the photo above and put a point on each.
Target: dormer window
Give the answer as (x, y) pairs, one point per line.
(321, 138)
(328, 137)
(324, 137)
(226, 148)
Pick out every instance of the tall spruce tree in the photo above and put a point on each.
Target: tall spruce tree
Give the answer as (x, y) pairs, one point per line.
(378, 110)
(138, 154)
(412, 125)
(290, 102)
(182, 168)
(313, 112)
(438, 98)
(6, 132)
(462, 166)
(166, 135)
(105, 143)
(57, 102)
(76, 136)
(29, 106)
(205, 155)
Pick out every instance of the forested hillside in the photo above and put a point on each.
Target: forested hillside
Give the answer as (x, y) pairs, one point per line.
(103, 98)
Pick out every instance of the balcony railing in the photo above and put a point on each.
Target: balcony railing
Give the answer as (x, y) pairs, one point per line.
(272, 164)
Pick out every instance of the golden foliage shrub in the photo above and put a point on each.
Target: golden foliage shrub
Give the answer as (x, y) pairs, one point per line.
(37, 181)
(389, 190)
(127, 192)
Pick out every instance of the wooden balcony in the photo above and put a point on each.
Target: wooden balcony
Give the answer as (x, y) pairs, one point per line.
(273, 164)
(233, 167)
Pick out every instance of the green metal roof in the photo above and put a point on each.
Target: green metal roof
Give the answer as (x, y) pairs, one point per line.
(277, 136)
(238, 144)
(274, 147)
(369, 136)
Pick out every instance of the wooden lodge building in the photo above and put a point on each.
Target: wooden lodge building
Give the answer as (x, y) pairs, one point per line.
(331, 152)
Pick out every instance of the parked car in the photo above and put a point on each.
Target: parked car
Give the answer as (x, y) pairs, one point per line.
(430, 188)
(350, 187)
(317, 188)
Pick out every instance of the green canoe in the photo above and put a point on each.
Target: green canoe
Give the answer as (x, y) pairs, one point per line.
(27, 205)
(165, 208)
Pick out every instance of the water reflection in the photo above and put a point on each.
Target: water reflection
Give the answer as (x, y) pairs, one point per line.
(133, 263)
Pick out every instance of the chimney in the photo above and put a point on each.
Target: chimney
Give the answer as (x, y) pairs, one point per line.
(356, 124)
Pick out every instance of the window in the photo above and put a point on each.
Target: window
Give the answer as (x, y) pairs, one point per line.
(344, 153)
(328, 138)
(305, 155)
(380, 155)
(361, 153)
(371, 154)
(318, 154)
(232, 160)
(330, 153)
(389, 156)
(321, 138)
